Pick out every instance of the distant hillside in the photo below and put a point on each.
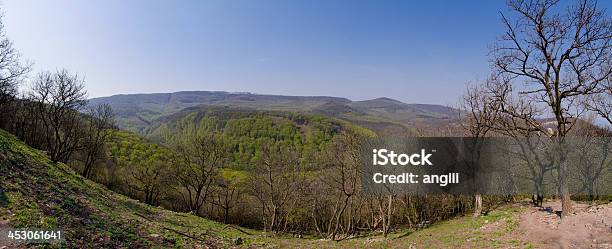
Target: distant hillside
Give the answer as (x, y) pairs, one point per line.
(137, 112)
(245, 130)
(410, 114)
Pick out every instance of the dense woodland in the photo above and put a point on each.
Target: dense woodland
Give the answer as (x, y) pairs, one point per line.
(300, 173)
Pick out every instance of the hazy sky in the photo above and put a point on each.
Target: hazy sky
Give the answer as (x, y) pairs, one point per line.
(415, 52)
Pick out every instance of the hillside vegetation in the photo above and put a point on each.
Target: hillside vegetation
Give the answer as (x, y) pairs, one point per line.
(34, 192)
(244, 131)
(147, 168)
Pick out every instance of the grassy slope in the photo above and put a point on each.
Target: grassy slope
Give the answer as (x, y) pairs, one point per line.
(38, 193)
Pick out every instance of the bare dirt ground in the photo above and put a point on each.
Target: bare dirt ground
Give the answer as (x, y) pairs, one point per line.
(588, 227)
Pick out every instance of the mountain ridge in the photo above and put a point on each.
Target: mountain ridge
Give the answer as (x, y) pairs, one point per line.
(137, 111)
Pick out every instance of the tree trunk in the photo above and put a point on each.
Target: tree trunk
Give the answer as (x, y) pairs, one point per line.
(225, 215)
(273, 219)
(566, 202)
(387, 224)
(477, 205)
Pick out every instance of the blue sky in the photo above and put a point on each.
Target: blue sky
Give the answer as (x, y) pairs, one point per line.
(416, 52)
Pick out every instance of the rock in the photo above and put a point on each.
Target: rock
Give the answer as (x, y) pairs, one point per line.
(154, 235)
(238, 241)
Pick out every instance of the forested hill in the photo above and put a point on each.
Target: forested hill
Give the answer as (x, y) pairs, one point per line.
(136, 112)
(244, 131)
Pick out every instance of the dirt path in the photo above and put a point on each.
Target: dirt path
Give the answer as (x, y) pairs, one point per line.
(588, 227)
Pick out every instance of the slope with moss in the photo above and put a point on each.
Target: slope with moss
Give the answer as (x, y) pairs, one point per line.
(36, 193)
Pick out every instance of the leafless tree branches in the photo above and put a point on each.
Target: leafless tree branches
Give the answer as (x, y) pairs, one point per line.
(549, 58)
(58, 97)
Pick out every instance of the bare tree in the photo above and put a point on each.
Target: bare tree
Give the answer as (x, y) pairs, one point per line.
(518, 120)
(198, 164)
(274, 183)
(386, 212)
(343, 167)
(12, 72)
(478, 116)
(151, 179)
(560, 55)
(227, 195)
(594, 154)
(58, 97)
(99, 121)
(601, 103)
